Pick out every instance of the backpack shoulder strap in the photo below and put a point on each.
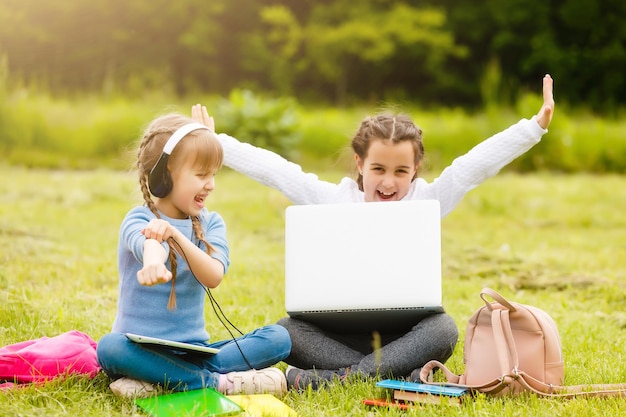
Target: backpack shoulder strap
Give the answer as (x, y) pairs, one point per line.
(491, 387)
(425, 373)
(531, 384)
(570, 391)
(504, 341)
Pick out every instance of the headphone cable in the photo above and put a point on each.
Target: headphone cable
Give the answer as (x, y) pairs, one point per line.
(214, 303)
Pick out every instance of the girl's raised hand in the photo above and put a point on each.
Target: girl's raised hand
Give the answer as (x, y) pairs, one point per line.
(544, 117)
(159, 230)
(200, 114)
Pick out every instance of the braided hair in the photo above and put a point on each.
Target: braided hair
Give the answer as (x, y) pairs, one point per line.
(201, 145)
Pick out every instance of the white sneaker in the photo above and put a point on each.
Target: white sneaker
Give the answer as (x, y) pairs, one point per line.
(131, 388)
(258, 381)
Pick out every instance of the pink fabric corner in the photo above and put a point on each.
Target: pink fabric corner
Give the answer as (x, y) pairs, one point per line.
(45, 358)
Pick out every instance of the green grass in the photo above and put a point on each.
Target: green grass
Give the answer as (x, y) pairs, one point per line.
(555, 242)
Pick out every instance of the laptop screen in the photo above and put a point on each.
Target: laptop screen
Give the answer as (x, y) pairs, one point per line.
(362, 256)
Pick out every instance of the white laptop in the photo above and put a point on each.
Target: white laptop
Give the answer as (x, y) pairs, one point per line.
(171, 344)
(363, 266)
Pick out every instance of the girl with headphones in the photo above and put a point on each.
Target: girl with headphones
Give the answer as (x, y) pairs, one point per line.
(171, 251)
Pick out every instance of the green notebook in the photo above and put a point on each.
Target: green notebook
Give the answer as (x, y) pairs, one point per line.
(197, 403)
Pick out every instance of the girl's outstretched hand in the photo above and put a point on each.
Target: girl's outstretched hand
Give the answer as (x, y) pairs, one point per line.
(200, 114)
(153, 274)
(154, 271)
(544, 117)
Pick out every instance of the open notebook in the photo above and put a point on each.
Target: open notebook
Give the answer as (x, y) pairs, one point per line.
(363, 266)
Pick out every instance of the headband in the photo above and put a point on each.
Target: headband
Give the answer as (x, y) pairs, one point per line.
(179, 134)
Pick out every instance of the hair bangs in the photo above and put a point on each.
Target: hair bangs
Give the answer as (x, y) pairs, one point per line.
(204, 151)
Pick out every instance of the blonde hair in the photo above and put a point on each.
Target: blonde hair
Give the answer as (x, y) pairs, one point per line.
(201, 145)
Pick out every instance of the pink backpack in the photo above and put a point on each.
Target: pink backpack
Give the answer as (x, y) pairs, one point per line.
(45, 358)
(512, 348)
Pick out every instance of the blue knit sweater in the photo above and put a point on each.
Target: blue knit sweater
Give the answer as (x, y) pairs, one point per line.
(142, 309)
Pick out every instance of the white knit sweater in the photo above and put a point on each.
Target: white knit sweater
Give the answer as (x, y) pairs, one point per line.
(466, 172)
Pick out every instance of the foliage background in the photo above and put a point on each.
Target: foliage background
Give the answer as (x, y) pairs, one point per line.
(79, 80)
(451, 52)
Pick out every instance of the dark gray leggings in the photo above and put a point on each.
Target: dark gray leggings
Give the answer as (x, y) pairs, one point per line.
(433, 338)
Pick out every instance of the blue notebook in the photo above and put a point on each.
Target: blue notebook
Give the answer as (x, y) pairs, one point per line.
(422, 388)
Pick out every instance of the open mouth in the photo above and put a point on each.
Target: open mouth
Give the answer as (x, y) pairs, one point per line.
(385, 196)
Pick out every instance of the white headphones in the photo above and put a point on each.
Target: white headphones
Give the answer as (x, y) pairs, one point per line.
(159, 180)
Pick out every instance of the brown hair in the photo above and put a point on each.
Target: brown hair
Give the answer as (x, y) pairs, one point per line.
(395, 128)
(202, 145)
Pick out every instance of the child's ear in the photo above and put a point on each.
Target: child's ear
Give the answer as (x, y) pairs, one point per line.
(359, 163)
(417, 170)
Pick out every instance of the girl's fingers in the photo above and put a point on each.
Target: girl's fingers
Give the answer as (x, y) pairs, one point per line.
(208, 120)
(548, 94)
(195, 113)
(544, 117)
(200, 114)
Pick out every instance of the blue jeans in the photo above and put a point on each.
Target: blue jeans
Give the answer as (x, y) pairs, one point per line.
(120, 357)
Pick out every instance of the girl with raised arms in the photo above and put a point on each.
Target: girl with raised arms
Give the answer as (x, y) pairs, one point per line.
(388, 151)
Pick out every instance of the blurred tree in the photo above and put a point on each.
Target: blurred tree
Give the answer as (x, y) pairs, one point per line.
(77, 45)
(278, 52)
(582, 43)
(432, 51)
(587, 46)
(362, 43)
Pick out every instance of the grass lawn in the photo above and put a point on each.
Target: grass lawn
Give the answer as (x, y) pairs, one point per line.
(555, 242)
